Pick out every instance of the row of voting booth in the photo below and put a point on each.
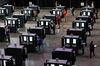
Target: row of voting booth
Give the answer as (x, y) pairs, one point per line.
(15, 21)
(18, 20)
(76, 37)
(16, 54)
(29, 39)
(30, 11)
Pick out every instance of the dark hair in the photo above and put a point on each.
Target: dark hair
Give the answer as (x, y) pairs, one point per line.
(91, 42)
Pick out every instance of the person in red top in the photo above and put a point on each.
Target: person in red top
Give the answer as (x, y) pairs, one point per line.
(58, 21)
(65, 12)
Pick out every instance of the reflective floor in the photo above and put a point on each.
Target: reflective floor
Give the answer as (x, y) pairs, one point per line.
(53, 41)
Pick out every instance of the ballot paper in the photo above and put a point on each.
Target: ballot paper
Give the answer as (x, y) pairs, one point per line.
(95, 45)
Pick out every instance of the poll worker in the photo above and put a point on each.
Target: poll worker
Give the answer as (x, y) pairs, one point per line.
(65, 12)
(92, 49)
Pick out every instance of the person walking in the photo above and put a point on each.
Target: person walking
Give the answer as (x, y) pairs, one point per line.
(92, 49)
(72, 11)
(39, 42)
(58, 21)
(53, 27)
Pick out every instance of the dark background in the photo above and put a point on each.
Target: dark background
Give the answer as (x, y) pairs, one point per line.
(51, 3)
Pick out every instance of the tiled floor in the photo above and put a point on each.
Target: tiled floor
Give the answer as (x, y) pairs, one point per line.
(53, 41)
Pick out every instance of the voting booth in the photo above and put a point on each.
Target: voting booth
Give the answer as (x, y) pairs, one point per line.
(80, 24)
(6, 60)
(78, 32)
(71, 41)
(2, 12)
(29, 41)
(40, 31)
(36, 9)
(60, 7)
(2, 34)
(12, 24)
(45, 23)
(64, 54)
(18, 52)
(9, 9)
(57, 12)
(52, 17)
(90, 14)
(21, 19)
(87, 18)
(57, 62)
(87, 13)
(28, 12)
(88, 8)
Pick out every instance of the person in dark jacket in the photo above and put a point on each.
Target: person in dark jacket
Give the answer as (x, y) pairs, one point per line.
(96, 13)
(53, 27)
(89, 29)
(92, 49)
(7, 33)
(39, 42)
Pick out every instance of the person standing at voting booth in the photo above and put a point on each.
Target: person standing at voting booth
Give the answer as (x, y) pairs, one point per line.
(92, 49)
(65, 14)
(53, 27)
(7, 33)
(89, 29)
(96, 13)
(72, 11)
(58, 21)
(39, 41)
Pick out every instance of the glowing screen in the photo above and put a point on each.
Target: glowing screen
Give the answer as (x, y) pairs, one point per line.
(74, 41)
(25, 39)
(67, 40)
(31, 38)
